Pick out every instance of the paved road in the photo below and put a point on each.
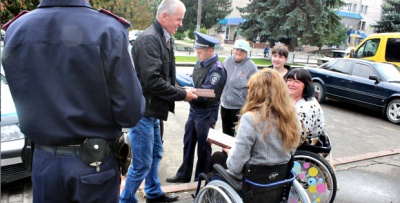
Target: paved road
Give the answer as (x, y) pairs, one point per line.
(354, 132)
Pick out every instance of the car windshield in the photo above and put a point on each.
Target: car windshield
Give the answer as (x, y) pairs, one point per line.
(389, 72)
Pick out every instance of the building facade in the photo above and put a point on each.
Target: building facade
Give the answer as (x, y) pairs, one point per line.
(358, 16)
(227, 27)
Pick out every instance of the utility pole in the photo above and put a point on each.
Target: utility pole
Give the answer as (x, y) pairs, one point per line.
(199, 2)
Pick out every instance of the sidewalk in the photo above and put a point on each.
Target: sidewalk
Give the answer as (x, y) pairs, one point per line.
(361, 167)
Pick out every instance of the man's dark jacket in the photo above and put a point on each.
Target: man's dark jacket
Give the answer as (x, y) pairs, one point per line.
(155, 66)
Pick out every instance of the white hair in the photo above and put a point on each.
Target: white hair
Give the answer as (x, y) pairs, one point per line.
(169, 7)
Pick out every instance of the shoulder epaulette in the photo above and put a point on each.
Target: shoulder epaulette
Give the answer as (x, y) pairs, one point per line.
(219, 64)
(5, 26)
(122, 20)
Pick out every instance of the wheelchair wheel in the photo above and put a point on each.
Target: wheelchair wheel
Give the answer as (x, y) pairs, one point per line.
(219, 192)
(298, 194)
(316, 176)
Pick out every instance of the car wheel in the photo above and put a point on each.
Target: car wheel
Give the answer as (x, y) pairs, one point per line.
(393, 111)
(319, 89)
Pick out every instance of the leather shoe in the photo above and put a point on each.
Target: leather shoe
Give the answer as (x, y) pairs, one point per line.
(176, 179)
(163, 198)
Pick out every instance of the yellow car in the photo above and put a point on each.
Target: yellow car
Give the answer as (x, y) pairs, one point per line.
(383, 47)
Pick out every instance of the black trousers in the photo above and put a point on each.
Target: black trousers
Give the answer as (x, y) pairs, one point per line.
(229, 120)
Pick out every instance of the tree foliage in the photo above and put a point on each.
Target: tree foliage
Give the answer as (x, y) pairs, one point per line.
(287, 20)
(390, 20)
(212, 11)
(11, 8)
(141, 13)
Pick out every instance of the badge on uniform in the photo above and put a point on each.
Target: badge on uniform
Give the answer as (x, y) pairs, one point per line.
(215, 78)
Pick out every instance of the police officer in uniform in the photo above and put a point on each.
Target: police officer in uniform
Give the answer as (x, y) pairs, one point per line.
(74, 87)
(208, 73)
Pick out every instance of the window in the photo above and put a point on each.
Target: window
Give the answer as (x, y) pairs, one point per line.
(368, 49)
(363, 70)
(349, 6)
(342, 66)
(227, 32)
(354, 8)
(361, 25)
(365, 9)
(362, 8)
(393, 50)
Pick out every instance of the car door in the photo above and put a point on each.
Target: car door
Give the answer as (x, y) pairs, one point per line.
(336, 80)
(364, 91)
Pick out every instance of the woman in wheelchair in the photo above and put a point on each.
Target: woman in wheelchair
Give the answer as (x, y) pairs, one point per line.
(309, 112)
(267, 137)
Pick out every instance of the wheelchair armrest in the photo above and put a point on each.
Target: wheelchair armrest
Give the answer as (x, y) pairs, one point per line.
(282, 182)
(314, 148)
(235, 183)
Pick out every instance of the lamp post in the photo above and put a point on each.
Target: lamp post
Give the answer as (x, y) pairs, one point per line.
(199, 2)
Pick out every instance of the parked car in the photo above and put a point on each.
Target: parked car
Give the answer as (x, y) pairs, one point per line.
(12, 140)
(332, 55)
(365, 83)
(382, 47)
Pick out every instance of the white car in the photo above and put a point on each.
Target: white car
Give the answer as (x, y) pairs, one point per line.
(12, 140)
(332, 55)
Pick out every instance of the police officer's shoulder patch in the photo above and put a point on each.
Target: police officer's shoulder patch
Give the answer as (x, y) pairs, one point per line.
(122, 20)
(219, 64)
(5, 26)
(215, 77)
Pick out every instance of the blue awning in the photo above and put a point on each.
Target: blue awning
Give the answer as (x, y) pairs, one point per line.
(231, 21)
(349, 15)
(363, 36)
(223, 21)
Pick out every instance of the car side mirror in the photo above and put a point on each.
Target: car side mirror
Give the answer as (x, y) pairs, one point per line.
(374, 77)
(352, 54)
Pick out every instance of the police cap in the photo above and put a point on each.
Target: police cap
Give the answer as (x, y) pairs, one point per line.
(204, 41)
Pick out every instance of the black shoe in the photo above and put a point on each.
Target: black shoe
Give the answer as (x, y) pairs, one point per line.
(163, 198)
(176, 179)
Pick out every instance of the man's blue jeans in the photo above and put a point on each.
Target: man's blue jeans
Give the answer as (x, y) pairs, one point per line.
(146, 147)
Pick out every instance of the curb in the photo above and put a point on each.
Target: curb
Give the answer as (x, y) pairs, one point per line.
(366, 156)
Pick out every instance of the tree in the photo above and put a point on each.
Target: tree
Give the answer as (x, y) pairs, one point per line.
(212, 12)
(286, 20)
(390, 21)
(11, 8)
(141, 13)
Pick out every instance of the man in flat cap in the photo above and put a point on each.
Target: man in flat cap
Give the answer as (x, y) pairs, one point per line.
(208, 73)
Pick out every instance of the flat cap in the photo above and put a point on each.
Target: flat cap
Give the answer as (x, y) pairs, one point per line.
(204, 41)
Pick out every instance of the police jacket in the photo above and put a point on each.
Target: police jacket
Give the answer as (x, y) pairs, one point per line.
(209, 74)
(155, 66)
(70, 74)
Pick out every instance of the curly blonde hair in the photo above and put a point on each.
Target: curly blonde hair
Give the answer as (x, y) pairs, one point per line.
(268, 97)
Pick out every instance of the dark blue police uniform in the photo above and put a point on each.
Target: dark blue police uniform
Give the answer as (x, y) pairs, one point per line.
(71, 78)
(208, 74)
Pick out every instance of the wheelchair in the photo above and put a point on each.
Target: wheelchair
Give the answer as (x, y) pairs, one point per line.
(231, 190)
(312, 179)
